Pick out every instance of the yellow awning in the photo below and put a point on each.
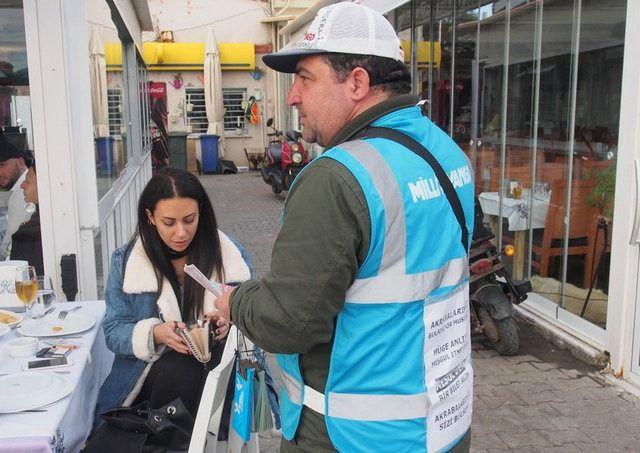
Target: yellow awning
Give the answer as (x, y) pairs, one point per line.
(113, 56)
(424, 53)
(186, 56)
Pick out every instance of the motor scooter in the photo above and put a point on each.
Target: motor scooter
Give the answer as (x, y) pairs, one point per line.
(285, 158)
(493, 293)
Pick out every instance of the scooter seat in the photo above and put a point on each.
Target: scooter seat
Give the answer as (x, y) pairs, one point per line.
(275, 150)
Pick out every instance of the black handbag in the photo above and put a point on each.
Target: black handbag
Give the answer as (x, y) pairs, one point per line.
(140, 429)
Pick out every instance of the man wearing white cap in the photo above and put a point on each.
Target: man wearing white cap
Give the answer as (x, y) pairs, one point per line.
(366, 303)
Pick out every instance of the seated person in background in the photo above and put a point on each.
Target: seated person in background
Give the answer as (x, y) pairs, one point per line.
(26, 242)
(148, 295)
(13, 171)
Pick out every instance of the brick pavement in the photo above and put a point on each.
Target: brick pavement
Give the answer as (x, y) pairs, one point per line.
(541, 400)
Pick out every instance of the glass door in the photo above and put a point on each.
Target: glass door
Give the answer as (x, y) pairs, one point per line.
(464, 105)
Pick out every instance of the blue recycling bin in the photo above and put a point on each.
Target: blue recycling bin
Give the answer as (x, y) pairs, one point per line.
(106, 162)
(209, 153)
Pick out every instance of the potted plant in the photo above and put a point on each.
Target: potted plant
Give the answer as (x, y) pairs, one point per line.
(602, 195)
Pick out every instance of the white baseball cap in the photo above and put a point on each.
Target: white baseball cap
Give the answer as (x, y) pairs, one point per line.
(341, 28)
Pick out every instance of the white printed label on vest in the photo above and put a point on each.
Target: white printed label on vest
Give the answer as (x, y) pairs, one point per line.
(448, 369)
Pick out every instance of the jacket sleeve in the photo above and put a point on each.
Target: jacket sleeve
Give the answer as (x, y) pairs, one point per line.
(324, 236)
(125, 334)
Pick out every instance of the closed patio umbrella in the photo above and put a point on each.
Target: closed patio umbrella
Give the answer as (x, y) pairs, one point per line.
(99, 100)
(213, 89)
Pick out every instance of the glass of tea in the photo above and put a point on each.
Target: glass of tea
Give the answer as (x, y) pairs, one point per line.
(26, 286)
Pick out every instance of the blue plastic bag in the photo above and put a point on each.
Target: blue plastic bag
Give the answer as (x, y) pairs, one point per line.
(243, 403)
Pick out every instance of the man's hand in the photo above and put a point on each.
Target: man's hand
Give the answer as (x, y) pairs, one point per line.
(222, 326)
(223, 303)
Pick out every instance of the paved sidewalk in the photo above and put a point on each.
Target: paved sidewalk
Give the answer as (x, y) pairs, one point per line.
(540, 400)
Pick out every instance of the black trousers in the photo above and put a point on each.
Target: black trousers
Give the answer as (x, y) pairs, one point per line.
(175, 375)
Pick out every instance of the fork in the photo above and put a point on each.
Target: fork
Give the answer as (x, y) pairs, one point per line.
(41, 315)
(63, 313)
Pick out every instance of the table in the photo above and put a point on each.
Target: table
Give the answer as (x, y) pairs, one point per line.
(67, 423)
(519, 217)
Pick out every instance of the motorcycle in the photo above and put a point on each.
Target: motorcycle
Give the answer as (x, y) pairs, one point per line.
(285, 158)
(493, 293)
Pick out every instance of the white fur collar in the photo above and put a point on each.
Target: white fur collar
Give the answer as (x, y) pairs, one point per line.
(140, 277)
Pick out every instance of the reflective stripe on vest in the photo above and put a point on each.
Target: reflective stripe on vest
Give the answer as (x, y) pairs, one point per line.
(387, 288)
(293, 387)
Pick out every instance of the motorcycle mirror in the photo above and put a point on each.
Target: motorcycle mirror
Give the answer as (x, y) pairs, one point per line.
(270, 122)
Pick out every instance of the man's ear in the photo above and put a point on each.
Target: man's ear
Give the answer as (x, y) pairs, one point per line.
(361, 84)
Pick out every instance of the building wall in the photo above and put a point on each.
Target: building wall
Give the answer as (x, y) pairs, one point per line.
(232, 21)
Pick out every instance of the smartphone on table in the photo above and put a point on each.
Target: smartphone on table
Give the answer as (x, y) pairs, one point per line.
(48, 364)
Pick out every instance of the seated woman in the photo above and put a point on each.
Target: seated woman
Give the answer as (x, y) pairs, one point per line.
(148, 295)
(26, 242)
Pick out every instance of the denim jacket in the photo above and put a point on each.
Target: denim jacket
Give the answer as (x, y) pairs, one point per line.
(134, 305)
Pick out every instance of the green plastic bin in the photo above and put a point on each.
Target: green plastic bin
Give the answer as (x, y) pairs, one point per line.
(177, 142)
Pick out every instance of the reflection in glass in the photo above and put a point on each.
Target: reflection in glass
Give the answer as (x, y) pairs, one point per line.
(441, 83)
(15, 104)
(466, 30)
(107, 96)
(597, 115)
(535, 103)
(520, 140)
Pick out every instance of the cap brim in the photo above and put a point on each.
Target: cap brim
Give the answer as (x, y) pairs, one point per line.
(286, 60)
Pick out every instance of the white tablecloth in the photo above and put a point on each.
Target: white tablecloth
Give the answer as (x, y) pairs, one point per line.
(66, 424)
(517, 212)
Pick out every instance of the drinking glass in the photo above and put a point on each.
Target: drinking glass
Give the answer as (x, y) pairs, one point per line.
(46, 295)
(517, 192)
(26, 286)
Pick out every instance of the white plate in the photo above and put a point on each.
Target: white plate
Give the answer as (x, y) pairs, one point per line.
(4, 329)
(51, 326)
(15, 315)
(31, 390)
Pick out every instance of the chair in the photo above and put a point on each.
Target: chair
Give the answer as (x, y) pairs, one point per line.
(582, 220)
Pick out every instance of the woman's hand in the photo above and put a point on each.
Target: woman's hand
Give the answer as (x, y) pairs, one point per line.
(222, 326)
(164, 334)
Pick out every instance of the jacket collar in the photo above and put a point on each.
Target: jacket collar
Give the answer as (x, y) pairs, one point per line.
(371, 114)
(140, 277)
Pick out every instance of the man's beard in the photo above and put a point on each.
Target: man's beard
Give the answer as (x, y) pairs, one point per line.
(308, 135)
(11, 183)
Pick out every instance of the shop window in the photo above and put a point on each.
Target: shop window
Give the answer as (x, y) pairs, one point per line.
(196, 110)
(232, 99)
(114, 100)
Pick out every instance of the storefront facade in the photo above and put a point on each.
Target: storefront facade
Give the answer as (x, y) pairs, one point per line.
(87, 126)
(542, 97)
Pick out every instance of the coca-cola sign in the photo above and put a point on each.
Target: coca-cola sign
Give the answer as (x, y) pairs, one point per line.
(157, 89)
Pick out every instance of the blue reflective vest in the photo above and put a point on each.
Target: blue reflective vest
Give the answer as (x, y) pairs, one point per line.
(400, 372)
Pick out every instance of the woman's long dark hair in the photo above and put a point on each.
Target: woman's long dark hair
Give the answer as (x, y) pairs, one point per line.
(204, 250)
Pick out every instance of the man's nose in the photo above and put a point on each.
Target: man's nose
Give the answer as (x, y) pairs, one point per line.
(293, 98)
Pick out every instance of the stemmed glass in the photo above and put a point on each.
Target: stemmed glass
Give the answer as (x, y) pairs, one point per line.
(26, 286)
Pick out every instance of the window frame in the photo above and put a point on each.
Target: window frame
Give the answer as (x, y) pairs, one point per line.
(196, 116)
(231, 113)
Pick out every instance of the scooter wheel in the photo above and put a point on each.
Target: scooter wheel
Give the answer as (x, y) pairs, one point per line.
(276, 188)
(501, 333)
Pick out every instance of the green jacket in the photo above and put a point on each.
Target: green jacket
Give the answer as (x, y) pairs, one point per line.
(324, 238)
